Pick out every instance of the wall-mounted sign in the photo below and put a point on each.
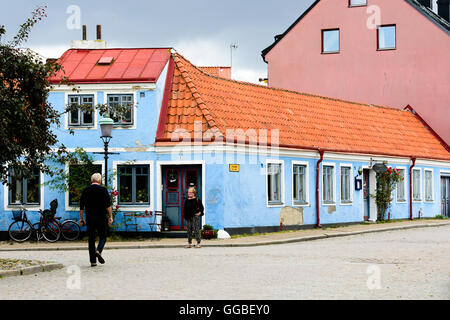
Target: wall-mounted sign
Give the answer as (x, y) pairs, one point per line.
(358, 183)
(234, 168)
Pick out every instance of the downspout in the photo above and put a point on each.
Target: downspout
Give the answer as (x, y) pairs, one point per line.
(317, 187)
(410, 188)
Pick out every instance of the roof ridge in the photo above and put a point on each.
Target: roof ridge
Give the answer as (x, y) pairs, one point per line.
(290, 91)
(195, 94)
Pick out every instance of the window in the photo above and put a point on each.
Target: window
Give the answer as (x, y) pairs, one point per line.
(274, 183)
(22, 189)
(346, 184)
(330, 41)
(416, 185)
(120, 101)
(328, 184)
(300, 184)
(81, 117)
(386, 37)
(79, 178)
(357, 3)
(401, 186)
(428, 185)
(133, 184)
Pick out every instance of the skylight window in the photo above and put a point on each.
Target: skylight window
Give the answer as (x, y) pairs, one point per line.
(105, 60)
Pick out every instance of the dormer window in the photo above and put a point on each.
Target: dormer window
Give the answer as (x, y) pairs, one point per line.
(357, 3)
(105, 60)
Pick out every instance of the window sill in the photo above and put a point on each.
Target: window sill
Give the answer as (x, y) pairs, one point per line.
(357, 6)
(386, 49)
(331, 52)
(328, 203)
(346, 203)
(29, 207)
(275, 204)
(301, 204)
(401, 201)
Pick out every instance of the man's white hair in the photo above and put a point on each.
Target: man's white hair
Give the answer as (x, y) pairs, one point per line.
(96, 177)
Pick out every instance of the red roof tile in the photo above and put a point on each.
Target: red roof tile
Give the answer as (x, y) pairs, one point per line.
(303, 121)
(127, 65)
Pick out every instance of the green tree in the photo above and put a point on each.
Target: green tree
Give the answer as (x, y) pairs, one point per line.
(26, 117)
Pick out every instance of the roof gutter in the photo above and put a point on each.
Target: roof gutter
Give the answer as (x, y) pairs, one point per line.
(410, 188)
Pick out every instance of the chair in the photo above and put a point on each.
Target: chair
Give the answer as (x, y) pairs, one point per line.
(155, 227)
(130, 220)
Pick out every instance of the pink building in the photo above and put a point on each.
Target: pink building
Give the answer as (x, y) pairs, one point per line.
(393, 53)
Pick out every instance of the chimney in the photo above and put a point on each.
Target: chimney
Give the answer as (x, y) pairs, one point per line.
(444, 9)
(89, 44)
(425, 3)
(99, 32)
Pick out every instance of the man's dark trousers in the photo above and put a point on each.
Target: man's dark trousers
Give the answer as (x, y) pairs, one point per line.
(96, 225)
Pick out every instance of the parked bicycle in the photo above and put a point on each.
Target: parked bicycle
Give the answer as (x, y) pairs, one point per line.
(22, 229)
(70, 229)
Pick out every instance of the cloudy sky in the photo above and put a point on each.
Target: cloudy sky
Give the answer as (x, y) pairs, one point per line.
(201, 30)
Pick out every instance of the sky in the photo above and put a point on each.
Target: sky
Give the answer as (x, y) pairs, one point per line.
(201, 30)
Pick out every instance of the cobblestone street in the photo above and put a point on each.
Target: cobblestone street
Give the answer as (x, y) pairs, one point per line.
(404, 264)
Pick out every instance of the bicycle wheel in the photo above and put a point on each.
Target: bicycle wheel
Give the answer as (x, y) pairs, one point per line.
(20, 231)
(50, 231)
(70, 230)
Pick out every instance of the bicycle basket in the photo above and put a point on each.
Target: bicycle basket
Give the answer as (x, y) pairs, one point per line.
(17, 215)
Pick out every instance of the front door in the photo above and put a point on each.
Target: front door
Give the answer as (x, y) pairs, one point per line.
(176, 182)
(445, 196)
(366, 194)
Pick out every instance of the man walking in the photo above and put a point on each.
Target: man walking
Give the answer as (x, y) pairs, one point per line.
(95, 200)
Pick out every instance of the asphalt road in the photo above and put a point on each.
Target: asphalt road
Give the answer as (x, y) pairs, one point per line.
(404, 264)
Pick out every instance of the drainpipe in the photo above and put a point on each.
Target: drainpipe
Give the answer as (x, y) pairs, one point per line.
(317, 187)
(410, 188)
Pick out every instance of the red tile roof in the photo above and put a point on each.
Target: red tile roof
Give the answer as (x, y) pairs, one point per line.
(303, 121)
(126, 65)
(223, 72)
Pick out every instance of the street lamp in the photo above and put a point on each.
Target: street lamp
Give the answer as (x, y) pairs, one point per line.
(106, 125)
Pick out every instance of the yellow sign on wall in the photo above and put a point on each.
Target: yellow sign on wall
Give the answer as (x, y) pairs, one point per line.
(234, 168)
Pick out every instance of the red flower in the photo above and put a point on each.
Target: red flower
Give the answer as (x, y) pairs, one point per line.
(117, 207)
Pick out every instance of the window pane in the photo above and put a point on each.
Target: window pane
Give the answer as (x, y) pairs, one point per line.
(416, 180)
(299, 183)
(331, 41)
(386, 37)
(328, 184)
(74, 117)
(32, 187)
(428, 187)
(274, 182)
(16, 187)
(125, 185)
(401, 186)
(142, 188)
(358, 2)
(345, 184)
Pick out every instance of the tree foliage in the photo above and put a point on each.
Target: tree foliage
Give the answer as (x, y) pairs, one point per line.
(26, 117)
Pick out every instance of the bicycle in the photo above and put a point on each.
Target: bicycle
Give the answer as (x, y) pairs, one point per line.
(70, 229)
(22, 229)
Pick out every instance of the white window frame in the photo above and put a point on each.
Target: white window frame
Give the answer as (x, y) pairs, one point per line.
(133, 111)
(67, 126)
(281, 204)
(68, 207)
(425, 184)
(8, 207)
(420, 184)
(329, 164)
(307, 203)
(405, 176)
(351, 182)
(135, 208)
(94, 112)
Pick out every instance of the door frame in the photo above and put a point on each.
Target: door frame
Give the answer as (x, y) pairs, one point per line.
(446, 175)
(372, 202)
(160, 186)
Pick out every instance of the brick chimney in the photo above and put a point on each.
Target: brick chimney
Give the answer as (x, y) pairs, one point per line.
(89, 44)
(444, 9)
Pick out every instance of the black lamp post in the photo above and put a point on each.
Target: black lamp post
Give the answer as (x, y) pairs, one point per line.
(106, 125)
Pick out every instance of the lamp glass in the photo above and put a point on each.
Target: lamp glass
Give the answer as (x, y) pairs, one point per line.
(106, 125)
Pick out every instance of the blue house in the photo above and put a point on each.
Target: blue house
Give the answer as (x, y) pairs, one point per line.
(258, 156)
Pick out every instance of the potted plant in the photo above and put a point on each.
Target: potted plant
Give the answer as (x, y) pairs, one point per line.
(207, 232)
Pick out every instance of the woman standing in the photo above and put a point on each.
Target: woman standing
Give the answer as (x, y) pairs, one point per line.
(193, 210)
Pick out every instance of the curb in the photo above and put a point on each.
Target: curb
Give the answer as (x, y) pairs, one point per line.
(324, 235)
(31, 270)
